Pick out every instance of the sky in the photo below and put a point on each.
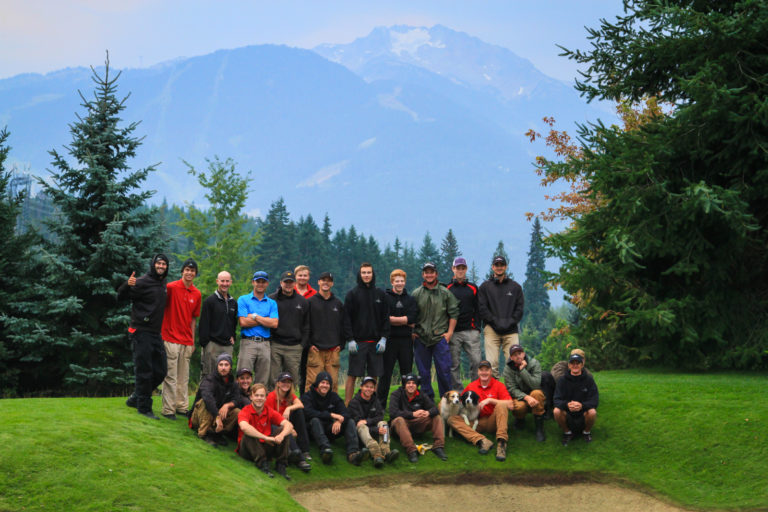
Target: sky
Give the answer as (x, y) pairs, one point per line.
(39, 36)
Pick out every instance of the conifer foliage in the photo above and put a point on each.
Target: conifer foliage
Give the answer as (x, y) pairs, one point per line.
(536, 308)
(101, 234)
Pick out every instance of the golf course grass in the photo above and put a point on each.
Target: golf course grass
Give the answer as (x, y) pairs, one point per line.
(695, 440)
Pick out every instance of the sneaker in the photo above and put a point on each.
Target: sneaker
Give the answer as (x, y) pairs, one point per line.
(413, 457)
(307, 456)
(281, 470)
(132, 401)
(182, 413)
(355, 458)
(326, 455)
(149, 414)
(392, 456)
(484, 446)
(519, 424)
(567, 436)
(170, 416)
(304, 466)
(264, 467)
(501, 450)
(378, 462)
(210, 439)
(440, 453)
(587, 437)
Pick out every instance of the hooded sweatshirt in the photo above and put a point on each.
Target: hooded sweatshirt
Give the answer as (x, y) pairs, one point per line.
(400, 405)
(402, 305)
(148, 296)
(578, 388)
(369, 410)
(293, 311)
(321, 407)
(500, 304)
(326, 322)
(366, 312)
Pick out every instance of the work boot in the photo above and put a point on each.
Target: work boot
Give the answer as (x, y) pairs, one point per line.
(540, 435)
(519, 424)
(264, 467)
(440, 453)
(132, 401)
(484, 446)
(355, 458)
(413, 457)
(391, 456)
(501, 450)
(149, 414)
(210, 439)
(326, 455)
(171, 416)
(280, 469)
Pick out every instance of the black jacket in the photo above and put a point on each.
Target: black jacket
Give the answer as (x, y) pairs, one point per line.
(500, 304)
(366, 313)
(402, 305)
(148, 298)
(580, 388)
(293, 310)
(369, 410)
(326, 322)
(321, 407)
(466, 292)
(218, 319)
(216, 391)
(400, 406)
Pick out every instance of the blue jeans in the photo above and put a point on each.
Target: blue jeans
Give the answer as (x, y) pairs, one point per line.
(441, 353)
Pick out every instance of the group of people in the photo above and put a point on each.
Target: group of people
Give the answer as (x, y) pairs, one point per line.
(291, 340)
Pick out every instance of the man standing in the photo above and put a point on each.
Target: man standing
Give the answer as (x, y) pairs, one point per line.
(522, 376)
(494, 404)
(366, 326)
(217, 404)
(257, 314)
(403, 312)
(466, 336)
(147, 294)
(218, 322)
(182, 307)
(411, 412)
(305, 290)
(576, 400)
(438, 311)
(326, 338)
(500, 303)
(292, 334)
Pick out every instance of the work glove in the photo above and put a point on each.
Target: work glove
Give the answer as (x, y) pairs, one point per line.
(381, 345)
(352, 347)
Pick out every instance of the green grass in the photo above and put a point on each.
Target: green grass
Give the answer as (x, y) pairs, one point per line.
(695, 440)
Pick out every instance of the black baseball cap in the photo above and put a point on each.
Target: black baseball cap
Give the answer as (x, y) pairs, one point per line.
(325, 275)
(516, 348)
(284, 376)
(428, 265)
(484, 362)
(576, 357)
(499, 260)
(287, 276)
(243, 371)
(367, 379)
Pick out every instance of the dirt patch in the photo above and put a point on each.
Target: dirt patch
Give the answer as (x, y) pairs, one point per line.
(542, 496)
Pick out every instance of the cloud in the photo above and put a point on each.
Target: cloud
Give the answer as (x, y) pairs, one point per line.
(366, 143)
(254, 213)
(324, 174)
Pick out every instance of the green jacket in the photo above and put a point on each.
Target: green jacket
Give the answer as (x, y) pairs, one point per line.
(521, 382)
(436, 307)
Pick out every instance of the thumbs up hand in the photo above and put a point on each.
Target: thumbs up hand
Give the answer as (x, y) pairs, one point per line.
(132, 279)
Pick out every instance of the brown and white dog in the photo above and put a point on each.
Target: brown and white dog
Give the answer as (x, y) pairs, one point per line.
(455, 404)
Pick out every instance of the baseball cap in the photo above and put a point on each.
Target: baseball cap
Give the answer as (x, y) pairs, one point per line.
(367, 379)
(516, 348)
(287, 276)
(580, 352)
(499, 260)
(459, 261)
(576, 357)
(484, 362)
(260, 274)
(428, 265)
(326, 275)
(243, 371)
(284, 376)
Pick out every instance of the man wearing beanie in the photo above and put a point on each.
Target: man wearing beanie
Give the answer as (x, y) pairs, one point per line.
(216, 404)
(147, 294)
(182, 307)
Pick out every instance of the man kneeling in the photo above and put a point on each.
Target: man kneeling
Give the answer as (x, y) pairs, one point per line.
(368, 415)
(411, 412)
(576, 399)
(328, 419)
(256, 441)
(217, 404)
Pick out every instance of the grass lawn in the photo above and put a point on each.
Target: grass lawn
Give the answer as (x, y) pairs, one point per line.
(698, 440)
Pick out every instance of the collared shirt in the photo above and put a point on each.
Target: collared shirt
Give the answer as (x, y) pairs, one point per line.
(494, 389)
(181, 306)
(282, 404)
(260, 421)
(266, 307)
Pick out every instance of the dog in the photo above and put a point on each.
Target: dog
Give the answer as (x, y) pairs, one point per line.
(455, 404)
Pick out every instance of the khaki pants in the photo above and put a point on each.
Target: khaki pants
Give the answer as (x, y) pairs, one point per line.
(254, 355)
(322, 361)
(405, 428)
(284, 358)
(495, 423)
(522, 408)
(378, 448)
(176, 383)
(495, 342)
(204, 422)
(209, 354)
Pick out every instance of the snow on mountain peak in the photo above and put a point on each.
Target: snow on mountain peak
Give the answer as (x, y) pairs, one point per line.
(411, 40)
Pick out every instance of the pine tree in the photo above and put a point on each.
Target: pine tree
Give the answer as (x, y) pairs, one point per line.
(429, 251)
(534, 288)
(500, 251)
(276, 252)
(103, 232)
(449, 249)
(473, 275)
(219, 236)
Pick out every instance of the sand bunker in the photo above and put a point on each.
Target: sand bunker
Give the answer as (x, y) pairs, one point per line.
(471, 498)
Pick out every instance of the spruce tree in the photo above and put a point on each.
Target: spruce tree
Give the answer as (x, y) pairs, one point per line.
(276, 251)
(449, 249)
(102, 233)
(500, 251)
(429, 251)
(534, 288)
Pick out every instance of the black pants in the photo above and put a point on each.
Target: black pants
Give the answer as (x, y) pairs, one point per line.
(253, 449)
(548, 387)
(301, 441)
(399, 350)
(321, 433)
(303, 371)
(150, 366)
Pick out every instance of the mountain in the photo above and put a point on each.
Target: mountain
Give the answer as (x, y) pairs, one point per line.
(397, 133)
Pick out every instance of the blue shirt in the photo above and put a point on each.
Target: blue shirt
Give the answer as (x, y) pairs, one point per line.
(247, 304)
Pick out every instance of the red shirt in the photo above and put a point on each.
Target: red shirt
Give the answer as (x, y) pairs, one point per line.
(272, 401)
(495, 389)
(181, 306)
(262, 422)
(310, 291)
